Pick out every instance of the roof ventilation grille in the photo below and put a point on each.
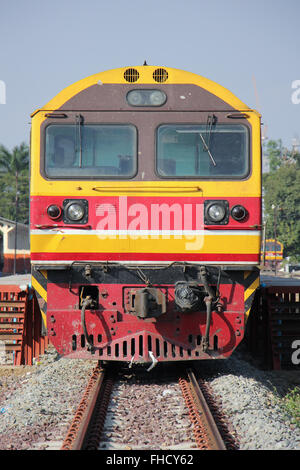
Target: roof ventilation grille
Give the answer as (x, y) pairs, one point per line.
(160, 75)
(131, 75)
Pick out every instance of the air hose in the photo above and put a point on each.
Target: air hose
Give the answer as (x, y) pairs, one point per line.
(208, 302)
(88, 302)
(205, 339)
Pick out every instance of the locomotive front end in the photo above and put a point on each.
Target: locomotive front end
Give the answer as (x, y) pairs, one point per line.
(145, 216)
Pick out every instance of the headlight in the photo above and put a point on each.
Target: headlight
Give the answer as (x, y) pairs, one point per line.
(216, 212)
(157, 98)
(146, 98)
(135, 98)
(75, 211)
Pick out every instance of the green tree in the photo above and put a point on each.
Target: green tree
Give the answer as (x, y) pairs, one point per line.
(14, 183)
(282, 206)
(279, 155)
(273, 150)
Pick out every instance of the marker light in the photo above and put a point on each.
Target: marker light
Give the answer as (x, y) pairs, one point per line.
(239, 212)
(54, 211)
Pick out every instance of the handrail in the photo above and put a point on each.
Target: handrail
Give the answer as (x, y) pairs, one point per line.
(159, 189)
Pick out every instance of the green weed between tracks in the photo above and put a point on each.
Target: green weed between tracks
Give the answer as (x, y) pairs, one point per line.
(291, 404)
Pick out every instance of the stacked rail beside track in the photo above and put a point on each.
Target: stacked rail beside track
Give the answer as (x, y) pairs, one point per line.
(283, 306)
(20, 326)
(274, 326)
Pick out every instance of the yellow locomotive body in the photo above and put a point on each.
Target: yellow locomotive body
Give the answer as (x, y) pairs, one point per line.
(145, 215)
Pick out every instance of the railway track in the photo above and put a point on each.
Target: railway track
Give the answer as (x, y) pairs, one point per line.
(113, 403)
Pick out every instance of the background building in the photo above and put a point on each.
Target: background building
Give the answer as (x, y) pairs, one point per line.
(15, 252)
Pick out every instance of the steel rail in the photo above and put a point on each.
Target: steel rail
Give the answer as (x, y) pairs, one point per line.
(86, 419)
(206, 432)
(78, 430)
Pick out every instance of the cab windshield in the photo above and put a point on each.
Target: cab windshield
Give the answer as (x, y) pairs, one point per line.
(192, 151)
(102, 151)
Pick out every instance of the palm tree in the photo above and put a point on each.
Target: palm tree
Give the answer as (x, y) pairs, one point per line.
(14, 167)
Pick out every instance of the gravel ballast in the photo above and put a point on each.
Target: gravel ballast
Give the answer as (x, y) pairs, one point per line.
(250, 399)
(37, 406)
(147, 413)
(37, 403)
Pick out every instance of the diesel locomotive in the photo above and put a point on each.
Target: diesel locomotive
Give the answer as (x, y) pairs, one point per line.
(145, 216)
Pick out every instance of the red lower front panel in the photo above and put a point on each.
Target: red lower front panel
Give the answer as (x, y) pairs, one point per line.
(121, 336)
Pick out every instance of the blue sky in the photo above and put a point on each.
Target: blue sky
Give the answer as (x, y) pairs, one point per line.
(45, 46)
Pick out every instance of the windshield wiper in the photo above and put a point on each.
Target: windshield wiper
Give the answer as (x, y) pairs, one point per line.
(207, 149)
(211, 120)
(79, 122)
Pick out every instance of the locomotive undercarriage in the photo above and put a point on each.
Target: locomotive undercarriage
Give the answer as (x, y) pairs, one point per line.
(144, 313)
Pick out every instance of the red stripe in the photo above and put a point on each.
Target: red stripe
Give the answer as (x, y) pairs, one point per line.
(254, 258)
(147, 213)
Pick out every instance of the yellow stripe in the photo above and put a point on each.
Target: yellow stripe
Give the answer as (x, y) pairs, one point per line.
(248, 292)
(62, 243)
(44, 318)
(44, 273)
(247, 313)
(209, 189)
(39, 289)
(251, 288)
